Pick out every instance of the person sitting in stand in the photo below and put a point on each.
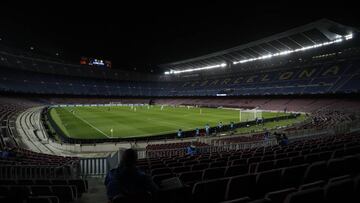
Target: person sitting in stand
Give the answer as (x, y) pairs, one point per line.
(126, 183)
(284, 141)
(191, 149)
(278, 137)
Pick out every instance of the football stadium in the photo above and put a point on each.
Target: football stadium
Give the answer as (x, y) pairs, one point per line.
(276, 119)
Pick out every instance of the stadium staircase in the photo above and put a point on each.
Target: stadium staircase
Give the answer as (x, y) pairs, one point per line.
(96, 192)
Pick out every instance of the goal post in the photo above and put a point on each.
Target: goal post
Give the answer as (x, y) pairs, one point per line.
(249, 114)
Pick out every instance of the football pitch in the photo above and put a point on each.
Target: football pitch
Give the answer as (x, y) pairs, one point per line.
(140, 121)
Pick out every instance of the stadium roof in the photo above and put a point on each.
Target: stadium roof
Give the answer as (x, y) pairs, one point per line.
(313, 35)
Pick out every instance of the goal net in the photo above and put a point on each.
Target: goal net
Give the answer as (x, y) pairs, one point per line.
(249, 114)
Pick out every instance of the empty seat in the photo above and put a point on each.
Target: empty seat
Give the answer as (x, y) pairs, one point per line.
(293, 176)
(16, 193)
(325, 155)
(218, 164)
(280, 163)
(247, 155)
(212, 173)
(297, 160)
(25, 182)
(241, 186)
(267, 158)
(316, 171)
(43, 182)
(41, 190)
(181, 169)
(336, 167)
(310, 158)
(338, 153)
(200, 166)
(8, 182)
(352, 165)
(173, 165)
(59, 182)
(319, 183)
(158, 178)
(268, 181)
(334, 179)
(191, 176)
(260, 201)
(341, 191)
(253, 160)
(281, 156)
(160, 171)
(157, 166)
(238, 200)
(310, 195)
(204, 161)
(238, 162)
(293, 154)
(279, 195)
(352, 150)
(236, 170)
(265, 166)
(234, 157)
(357, 188)
(210, 190)
(190, 163)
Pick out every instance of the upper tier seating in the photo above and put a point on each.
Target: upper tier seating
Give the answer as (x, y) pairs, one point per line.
(329, 77)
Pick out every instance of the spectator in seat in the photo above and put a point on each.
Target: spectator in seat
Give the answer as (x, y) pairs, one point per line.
(278, 137)
(284, 140)
(128, 182)
(191, 150)
(8, 153)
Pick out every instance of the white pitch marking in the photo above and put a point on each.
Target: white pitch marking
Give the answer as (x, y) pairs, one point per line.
(97, 129)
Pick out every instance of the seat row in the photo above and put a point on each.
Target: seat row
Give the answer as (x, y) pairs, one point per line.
(42, 190)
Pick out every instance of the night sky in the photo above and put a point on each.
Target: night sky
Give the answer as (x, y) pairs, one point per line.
(141, 37)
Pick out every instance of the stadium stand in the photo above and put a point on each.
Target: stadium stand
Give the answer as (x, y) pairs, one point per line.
(317, 161)
(275, 173)
(286, 81)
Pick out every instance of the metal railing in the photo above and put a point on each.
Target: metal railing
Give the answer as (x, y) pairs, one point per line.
(143, 153)
(34, 172)
(94, 166)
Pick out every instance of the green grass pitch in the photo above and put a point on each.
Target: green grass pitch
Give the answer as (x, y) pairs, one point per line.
(97, 122)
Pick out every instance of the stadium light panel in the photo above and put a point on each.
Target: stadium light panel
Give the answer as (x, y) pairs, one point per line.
(222, 65)
(338, 40)
(268, 56)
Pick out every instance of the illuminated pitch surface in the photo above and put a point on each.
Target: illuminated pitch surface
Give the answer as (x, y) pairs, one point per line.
(97, 122)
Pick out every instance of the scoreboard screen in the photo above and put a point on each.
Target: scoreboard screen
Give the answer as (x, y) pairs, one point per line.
(95, 62)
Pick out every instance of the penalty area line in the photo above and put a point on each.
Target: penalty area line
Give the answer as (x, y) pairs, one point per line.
(89, 124)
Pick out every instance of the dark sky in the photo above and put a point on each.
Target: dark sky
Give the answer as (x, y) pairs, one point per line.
(143, 36)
